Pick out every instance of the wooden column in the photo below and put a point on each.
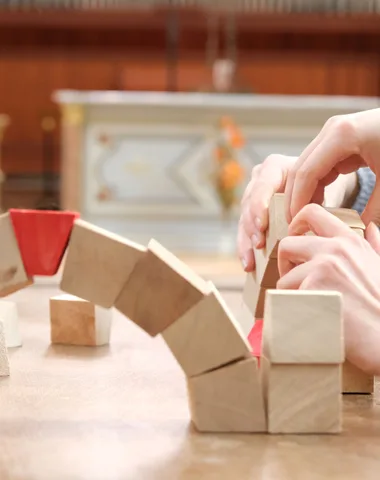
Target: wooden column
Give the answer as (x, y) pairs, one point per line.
(71, 168)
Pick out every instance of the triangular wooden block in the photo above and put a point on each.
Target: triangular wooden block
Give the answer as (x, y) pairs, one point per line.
(206, 336)
(42, 237)
(160, 290)
(229, 399)
(9, 316)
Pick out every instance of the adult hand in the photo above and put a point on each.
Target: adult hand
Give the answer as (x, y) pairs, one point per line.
(344, 144)
(267, 179)
(338, 259)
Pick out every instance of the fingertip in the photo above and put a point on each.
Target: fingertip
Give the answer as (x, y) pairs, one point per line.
(248, 261)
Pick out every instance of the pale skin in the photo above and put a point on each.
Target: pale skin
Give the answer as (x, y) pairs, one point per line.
(336, 258)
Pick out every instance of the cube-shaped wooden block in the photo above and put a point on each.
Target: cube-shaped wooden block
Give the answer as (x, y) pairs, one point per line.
(303, 326)
(9, 316)
(206, 336)
(75, 321)
(229, 399)
(348, 216)
(12, 272)
(98, 264)
(302, 398)
(160, 290)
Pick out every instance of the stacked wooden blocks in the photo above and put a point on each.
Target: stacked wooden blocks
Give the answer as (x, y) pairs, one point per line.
(301, 361)
(266, 276)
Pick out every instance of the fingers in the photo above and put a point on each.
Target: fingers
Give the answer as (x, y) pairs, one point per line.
(316, 219)
(372, 236)
(295, 277)
(336, 145)
(294, 251)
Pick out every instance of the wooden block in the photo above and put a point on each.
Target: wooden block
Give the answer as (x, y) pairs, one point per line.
(302, 398)
(98, 264)
(267, 273)
(303, 326)
(9, 317)
(245, 319)
(75, 321)
(359, 231)
(160, 290)
(254, 295)
(348, 216)
(4, 360)
(355, 380)
(229, 399)
(278, 225)
(12, 272)
(206, 336)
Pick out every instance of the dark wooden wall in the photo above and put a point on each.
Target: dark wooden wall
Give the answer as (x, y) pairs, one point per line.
(40, 54)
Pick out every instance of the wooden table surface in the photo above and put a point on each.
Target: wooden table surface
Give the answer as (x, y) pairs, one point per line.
(120, 412)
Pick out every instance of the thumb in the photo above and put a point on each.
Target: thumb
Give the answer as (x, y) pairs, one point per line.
(372, 236)
(371, 212)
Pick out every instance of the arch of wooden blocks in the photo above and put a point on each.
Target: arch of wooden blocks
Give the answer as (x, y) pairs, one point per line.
(228, 389)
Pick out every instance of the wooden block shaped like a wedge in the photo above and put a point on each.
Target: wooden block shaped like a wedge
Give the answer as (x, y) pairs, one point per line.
(302, 398)
(356, 381)
(12, 272)
(98, 264)
(160, 290)
(303, 326)
(74, 321)
(9, 317)
(4, 360)
(278, 225)
(254, 295)
(229, 399)
(206, 336)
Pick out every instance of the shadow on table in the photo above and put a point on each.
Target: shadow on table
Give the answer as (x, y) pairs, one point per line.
(72, 351)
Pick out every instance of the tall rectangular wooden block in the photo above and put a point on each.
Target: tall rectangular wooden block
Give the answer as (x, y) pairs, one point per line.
(206, 336)
(98, 264)
(229, 399)
(160, 290)
(303, 326)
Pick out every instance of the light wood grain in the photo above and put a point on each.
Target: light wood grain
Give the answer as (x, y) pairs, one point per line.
(229, 399)
(278, 225)
(355, 380)
(302, 398)
(120, 412)
(12, 272)
(160, 290)
(303, 326)
(74, 321)
(98, 263)
(254, 296)
(348, 216)
(206, 336)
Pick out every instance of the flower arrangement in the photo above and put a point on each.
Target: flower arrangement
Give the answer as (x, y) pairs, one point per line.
(228, 172)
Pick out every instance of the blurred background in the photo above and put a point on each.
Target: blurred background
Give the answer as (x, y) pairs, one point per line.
(148, 116)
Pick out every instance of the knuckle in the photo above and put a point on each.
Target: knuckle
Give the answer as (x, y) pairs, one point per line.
(327, 266)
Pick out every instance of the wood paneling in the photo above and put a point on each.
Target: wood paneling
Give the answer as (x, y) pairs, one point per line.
(40, 54)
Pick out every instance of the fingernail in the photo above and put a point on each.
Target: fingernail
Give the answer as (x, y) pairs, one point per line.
(258, 223)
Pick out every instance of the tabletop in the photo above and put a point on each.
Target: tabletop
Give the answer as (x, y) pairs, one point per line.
(120, 412)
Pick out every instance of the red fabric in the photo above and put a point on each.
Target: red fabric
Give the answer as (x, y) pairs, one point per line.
(42, 237)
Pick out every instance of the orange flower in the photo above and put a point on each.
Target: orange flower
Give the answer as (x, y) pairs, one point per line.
(231, 174)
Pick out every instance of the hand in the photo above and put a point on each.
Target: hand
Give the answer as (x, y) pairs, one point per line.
(338, 259)
(267, 179)
(344, 144)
